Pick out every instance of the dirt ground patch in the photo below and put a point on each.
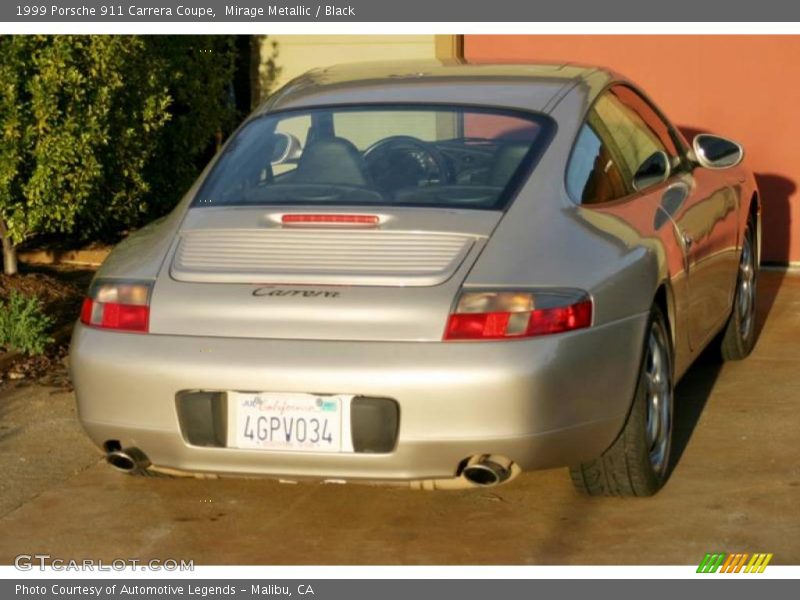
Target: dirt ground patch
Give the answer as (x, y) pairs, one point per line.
(41, 442)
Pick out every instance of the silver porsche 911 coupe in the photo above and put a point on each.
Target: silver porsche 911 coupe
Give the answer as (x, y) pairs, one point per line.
(438, 274)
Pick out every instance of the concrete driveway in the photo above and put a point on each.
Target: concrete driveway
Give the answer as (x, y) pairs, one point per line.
(736, 488)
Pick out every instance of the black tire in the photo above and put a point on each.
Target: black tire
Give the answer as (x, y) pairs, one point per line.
(739, 336)
(635, 464)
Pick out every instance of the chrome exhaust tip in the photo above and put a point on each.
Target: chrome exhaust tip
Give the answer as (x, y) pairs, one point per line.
(487, 470)
(129, 460)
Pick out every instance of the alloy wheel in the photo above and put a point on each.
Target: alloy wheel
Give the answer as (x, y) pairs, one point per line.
(746, 294)
(659, 398)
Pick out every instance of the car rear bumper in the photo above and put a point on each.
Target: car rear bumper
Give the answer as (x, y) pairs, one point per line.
(544, 402)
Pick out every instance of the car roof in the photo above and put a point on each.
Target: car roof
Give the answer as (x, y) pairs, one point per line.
(531, 86)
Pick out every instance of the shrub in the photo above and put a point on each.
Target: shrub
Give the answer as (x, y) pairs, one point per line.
(102, 133)
(23, 324)
(79, 120)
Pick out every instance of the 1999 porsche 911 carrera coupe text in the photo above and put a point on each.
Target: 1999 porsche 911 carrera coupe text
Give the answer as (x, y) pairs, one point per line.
(434, 273)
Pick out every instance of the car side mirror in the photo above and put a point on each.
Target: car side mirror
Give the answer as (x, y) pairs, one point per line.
(285, 147)
(715, 152)
(653, 170)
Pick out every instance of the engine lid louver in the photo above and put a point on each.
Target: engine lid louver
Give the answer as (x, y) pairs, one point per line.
(329, 257)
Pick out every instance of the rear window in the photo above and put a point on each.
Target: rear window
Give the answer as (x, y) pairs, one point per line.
(389, 156)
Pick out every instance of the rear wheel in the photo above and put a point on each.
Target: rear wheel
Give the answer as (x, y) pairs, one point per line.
(739, 335)
(637, 462)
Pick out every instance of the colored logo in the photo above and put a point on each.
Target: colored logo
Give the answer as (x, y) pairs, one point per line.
(734, 563)
(327, 405)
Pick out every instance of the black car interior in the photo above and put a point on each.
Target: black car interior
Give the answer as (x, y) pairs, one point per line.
(327, 166)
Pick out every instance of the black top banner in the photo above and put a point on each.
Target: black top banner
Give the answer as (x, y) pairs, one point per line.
(398, 11)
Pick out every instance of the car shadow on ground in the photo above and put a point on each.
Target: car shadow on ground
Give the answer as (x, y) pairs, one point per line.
(694, 389)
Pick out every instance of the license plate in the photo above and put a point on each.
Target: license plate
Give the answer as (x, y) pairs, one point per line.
(286, 422)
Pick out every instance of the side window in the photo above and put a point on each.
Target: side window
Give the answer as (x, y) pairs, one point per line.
(593, 175)
(649, 119)
(626, 131)
(620, 133)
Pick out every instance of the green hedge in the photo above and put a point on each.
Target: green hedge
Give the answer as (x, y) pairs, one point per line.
(102, 133)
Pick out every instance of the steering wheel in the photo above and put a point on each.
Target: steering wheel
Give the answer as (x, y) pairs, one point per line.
(402, 161)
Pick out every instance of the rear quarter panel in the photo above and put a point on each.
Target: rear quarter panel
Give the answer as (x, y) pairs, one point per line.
(620, 253)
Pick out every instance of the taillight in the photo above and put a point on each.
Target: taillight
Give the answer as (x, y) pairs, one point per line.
(121, 305)
(506, 315)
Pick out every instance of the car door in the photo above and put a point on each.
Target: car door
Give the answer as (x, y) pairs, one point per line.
(703, 209)
(612, 146)
(702, 212)
(708, 225)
